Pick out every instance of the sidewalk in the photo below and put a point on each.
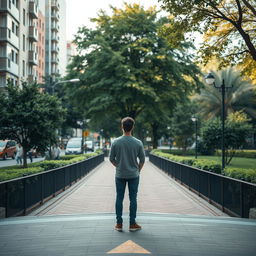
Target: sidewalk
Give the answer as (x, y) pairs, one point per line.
(158, 193)
(178, 223)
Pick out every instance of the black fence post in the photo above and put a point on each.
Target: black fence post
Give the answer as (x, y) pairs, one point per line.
(6, 199)
(242, 200)
(24, 196)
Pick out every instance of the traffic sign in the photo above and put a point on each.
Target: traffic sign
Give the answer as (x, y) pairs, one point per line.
(86, 133)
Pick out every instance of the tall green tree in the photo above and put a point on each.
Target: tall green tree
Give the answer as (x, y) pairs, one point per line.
(29, 117)
(182, 126)
(242, 96)
(228, 26)
(127, 67)
(237, 130)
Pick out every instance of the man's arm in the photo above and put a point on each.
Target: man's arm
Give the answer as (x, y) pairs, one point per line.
(112, 156)
(141, 157)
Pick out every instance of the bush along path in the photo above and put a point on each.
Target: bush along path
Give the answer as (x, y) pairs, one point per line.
(12, 172)
(244, 174)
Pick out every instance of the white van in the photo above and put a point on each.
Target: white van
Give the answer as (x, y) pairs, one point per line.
(74, 146)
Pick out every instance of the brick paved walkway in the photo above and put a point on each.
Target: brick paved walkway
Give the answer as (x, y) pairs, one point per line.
(158, 193)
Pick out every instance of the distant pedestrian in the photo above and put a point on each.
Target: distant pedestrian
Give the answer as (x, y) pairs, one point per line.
(123, 155)
(19, 154)
(30, 155)
(56, 152)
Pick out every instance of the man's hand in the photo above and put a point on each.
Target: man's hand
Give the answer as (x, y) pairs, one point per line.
(140, 166)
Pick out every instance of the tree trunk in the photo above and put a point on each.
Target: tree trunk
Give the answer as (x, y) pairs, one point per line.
(25, 164)
(154, 127)
(248, 41)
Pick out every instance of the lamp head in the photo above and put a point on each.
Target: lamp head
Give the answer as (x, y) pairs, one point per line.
(210, 79)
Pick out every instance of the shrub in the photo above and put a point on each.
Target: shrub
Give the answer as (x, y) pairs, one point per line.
(207, 165)
(248, 175)
(7, 174)
(179, 152)
(204, 164)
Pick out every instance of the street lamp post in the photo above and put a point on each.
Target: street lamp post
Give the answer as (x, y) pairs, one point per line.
(194, 119)
(210, 79)
(75, 80)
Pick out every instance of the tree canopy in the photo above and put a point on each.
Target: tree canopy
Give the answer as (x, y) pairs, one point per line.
(127, 67)
(228, 27)
(29, 117)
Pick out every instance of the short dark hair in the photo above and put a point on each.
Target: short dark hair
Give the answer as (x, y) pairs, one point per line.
(127, 123)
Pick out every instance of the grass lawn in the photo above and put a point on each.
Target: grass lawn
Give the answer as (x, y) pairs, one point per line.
(239, 162)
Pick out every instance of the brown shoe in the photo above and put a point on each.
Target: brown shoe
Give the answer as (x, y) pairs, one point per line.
(134, 227)
(119, 227)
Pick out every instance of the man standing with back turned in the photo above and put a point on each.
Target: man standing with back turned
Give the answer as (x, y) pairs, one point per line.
(124, 153)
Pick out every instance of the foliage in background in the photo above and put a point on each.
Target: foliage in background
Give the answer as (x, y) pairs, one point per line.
(182, 127)
(11, 172)
(242, 96)
(228, 27)
(29, 117)
(127, 68)
(236, 132)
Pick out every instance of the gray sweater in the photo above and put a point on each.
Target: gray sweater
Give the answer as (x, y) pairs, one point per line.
(124, 153)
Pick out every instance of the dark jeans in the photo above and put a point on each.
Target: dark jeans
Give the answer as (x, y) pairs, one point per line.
(120, 189)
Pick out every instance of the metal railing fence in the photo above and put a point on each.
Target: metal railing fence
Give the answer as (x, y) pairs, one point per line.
(21, 195)
(232, 196)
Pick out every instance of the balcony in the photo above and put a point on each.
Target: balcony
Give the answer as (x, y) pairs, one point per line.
(55, 49)
(7, 65)
(55, 16)
(33, 34)
(7, 36)
(55, 27)
(55, 60)
(32, 57)
(55, 5)
(33, 9)
(4, 7)
(55, 38)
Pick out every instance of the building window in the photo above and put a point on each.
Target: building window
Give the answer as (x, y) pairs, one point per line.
(10, 4)
(23, 68)
(24, 43)
(12, 55)
(17, 4)
(17, 30)
(24, 17)
(43, 26)
(13, 27)
(16, 58)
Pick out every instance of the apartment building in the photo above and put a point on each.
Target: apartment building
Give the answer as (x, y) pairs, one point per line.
(55, 56)
(9, 41)
(30, 35)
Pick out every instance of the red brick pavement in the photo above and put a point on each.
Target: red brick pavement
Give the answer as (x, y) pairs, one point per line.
(158, 193)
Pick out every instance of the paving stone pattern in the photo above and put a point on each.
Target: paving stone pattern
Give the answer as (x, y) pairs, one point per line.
(157, 193)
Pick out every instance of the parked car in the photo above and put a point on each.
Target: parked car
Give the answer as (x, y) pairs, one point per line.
(74, 146)
(7, 149)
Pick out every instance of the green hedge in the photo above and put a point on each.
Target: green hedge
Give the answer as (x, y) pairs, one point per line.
(11, 172)
(179, 152)
(241, 153)
(248, 175)
(204, 164)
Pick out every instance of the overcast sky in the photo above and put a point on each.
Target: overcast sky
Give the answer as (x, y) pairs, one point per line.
(80, 11)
